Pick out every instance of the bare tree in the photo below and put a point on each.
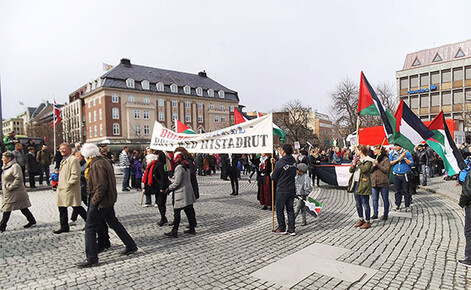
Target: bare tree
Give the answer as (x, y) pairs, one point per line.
(343, 110)
(387, 96)
(294, 118)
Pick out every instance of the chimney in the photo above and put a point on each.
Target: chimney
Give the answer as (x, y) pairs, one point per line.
(126, 62)
(202, 74)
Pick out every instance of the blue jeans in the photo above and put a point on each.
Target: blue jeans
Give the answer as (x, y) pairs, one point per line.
(430, 168)
(384, 195)
(423, 169)
(363, 202)
(125, 178)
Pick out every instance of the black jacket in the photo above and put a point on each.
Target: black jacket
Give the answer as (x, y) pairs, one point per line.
(32, 163)
(284, 174)
(465, 198)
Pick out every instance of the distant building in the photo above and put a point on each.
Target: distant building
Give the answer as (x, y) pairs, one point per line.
(13, 124)
(41, 124)
(437, 79)
(121, 106)
(323, 127)
(26, 116)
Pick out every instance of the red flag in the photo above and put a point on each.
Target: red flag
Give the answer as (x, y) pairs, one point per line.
(238, 117)
(182, 128)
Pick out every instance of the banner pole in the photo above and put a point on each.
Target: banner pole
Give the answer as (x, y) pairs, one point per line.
(272, 199)
(381, 148)
(358, 130)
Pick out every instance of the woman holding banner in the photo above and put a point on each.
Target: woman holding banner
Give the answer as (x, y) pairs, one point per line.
(380, 181)
(264, 182)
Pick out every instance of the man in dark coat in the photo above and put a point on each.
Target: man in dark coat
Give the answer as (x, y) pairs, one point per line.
(224, 161)
(44, 159)
(33, 166)
(103, 193)
(233, 173)
(284, 175)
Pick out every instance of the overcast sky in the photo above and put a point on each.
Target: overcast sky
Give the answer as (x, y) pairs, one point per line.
(267, 51)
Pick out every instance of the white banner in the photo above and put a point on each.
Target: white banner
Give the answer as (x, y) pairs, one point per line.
(255, 136)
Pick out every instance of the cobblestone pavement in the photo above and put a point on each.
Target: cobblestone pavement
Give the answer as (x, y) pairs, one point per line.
(233, 240)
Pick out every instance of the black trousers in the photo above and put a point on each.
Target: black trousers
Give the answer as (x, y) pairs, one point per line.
(44, 172)
(234, 181)
(190, 214)
(31, 179)
(6, 216)
(95, 218)
(63, 216)
(282, 201)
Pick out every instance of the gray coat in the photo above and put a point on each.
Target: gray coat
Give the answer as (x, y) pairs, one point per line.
(14, 195)
(181, 185)
(19, 157)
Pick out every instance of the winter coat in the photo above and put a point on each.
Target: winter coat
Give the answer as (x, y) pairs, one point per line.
(32, 164)
(284, 174)
(181, 187)
(159, 179)
(465, 198)
(14, 194)
(102, 183)
(303, 184)
(68, 188)
(124, 160)
(380, 172)
(9, 143)
(44, 157)
(20, 157)
(364, 182)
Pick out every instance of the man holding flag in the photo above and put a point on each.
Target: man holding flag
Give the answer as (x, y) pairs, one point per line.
(402, 161)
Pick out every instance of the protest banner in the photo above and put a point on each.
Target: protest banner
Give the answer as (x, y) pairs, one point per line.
(254, 136)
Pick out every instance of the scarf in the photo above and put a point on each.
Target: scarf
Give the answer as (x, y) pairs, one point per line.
(87, 168)
(147, 179)
(180, 160)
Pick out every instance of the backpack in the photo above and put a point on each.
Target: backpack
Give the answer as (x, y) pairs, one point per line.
(464, 172)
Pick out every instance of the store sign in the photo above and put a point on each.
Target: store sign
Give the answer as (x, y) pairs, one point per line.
(432, 88)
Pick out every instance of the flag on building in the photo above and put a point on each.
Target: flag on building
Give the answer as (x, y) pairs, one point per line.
(410, 130)
(369, 104)
(238, 117)
(107, 67)
(442, 142)
(182, 128)
(276, 130)
(57, 114)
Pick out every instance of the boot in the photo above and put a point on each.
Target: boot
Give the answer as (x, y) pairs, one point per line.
(360, 223)
(162, 221)
(29, 216)
(172, 234)
(366, 225)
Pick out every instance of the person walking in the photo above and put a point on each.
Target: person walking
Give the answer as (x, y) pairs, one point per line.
(361, 183)
(14, 195)
(83, 185)
(380, 181)
(284, 177)
(101, 182)
(125, 167)
(183, 194)
(233, 173)
(44, 158)
(68, 188)
(20, 159)
(32, 165)
(401, 160)
(423, 161)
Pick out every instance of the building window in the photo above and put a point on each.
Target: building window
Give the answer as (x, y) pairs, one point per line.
(200, 118)
(223, 107)
(161, 116)
(458, 97)
(231, 108)
(174, 88)
(211, 92)
(94, 102)
(89, 117)
(130, 83)
(161, 102)
(131, 98)
(437, 58)
(101, 129)
(216, 118)
(94, 116)
(187, 118)
(146, 114)
(137, 129)
(446, 98)
(458, 74)
(424, 80)
(145, 84)
(160, 87)
(199, 91)
(221, 94)
(200, 106)
(223, 119)
(424, 101)
(100, 114)
(137, 114)
(116, 129)
(187, 90)
(414, 81)
(146, 100)
(416, 62)
(446, 76)
(115, 113)
(90, 132)
(174, 103)
(435, 77)
(99, 100)
(146, 130)
(460, 53)
(115, 98)
(435, 99)
(96, 131)
(89, 104)
(187, 104)
(175, 116)
(211, 105)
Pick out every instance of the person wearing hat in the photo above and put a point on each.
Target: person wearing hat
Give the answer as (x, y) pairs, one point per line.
(402, 161)
(303, 188)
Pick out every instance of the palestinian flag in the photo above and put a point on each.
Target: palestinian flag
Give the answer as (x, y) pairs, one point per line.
(182, 128)
(238, 117)
(370, 105)
(312, 206)
(410, 130)
(337, 175)
(442, 142)
(276, 130)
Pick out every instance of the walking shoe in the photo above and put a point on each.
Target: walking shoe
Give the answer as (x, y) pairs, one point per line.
(103, 248)
(86, 264)
(29, 224)
(396, 208)
(366, 225)
(374, 217)
(162, 222)
(359, 223)
(264, 207)
(407, 209)
(146, 205)
(172, 234)
(129, 251)
(466, 263)
(60, 231)
(280, 232)
(125, 189)
(190, 231)
(292, 233)
(384, 218)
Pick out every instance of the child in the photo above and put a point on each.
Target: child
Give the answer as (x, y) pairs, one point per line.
(54, 179)
(303, 188)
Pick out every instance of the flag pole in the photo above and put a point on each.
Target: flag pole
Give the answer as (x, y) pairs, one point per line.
(54, 124)
(358, 130)
(381, 148)
(272, 199)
